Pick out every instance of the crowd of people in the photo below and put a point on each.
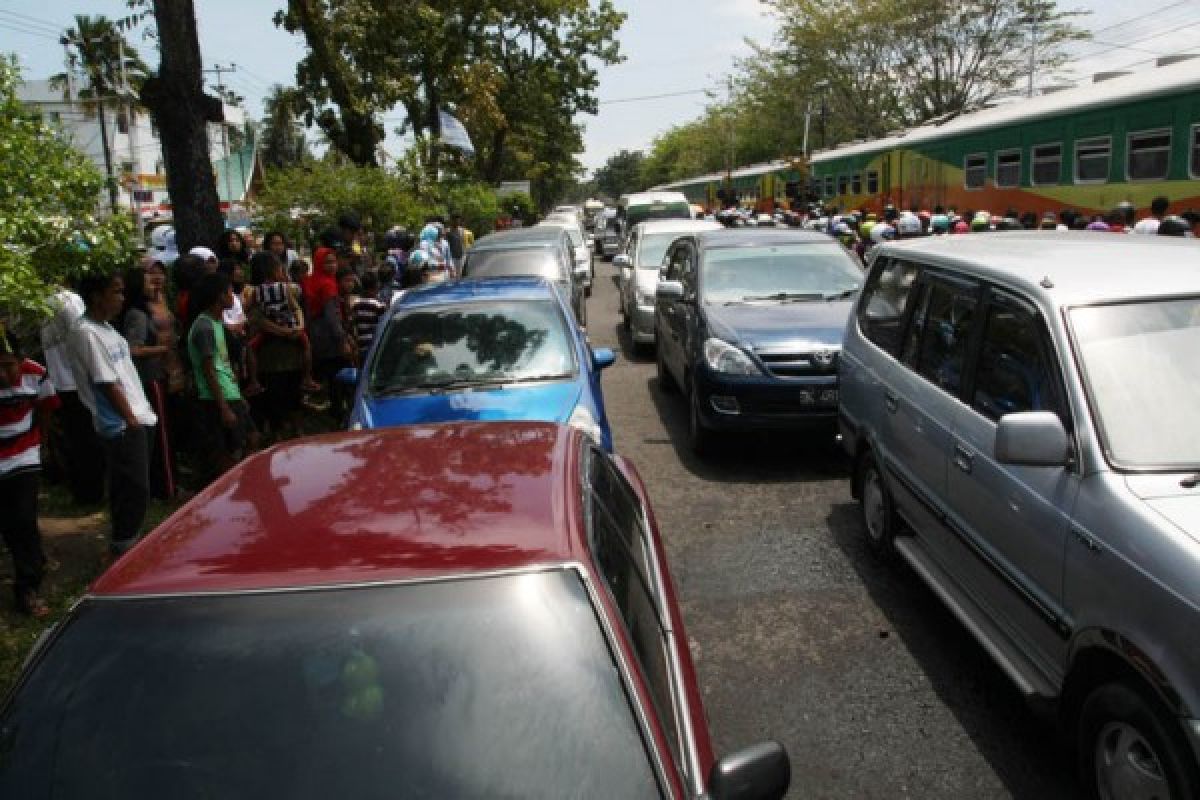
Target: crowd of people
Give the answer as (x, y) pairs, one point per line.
(162, 377)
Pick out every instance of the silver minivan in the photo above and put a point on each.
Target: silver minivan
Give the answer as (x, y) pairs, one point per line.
(1023, 411)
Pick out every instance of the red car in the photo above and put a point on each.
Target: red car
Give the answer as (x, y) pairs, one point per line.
(442, 611)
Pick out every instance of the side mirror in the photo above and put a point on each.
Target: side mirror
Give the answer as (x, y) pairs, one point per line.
(621, 261)
(603, 357)
(760, 772)
(668, 290)
(347, 376)
(1032, 439)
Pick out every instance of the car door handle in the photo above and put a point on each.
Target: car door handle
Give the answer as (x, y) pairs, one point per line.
(889, 401)
(964, 459)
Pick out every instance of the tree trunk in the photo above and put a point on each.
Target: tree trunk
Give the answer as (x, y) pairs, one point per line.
(182, 111)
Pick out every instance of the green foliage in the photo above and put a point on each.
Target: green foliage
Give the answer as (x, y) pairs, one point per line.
(519, 206)
(305, 200)
(49, 229)
(622, 173)
(283, 142)
(97, 46)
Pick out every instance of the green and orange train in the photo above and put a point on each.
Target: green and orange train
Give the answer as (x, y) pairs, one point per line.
(1122, 138)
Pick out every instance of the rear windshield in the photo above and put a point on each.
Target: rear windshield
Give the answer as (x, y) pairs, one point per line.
(641, 213)
(478, 688)
(541, 262)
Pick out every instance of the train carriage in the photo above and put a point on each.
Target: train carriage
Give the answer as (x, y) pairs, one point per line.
(1123, 138)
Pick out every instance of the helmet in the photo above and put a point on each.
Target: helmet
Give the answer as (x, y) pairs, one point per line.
(908, 224)
(418, 259)
(393, 239)
(866, 228)
(981, 222)
(1173, 226)
(960, 227)
(842, 229)
(429, 233)
(939, 223)
(882, 232)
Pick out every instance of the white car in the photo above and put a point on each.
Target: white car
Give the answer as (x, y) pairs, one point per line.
(584, 271)
(639, 263)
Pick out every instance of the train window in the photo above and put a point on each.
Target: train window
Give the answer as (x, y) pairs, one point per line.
(829, 186)
(873, 181)
(975, 171)
(842, 183)
(1047, 164)
(1092, 159)
(1195, 161)
(1008, 169)
(856, 183)
(1149, 156)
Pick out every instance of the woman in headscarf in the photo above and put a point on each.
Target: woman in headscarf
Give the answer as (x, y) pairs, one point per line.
(327, 333)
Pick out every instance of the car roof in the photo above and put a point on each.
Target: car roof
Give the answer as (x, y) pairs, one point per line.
(518, 238)
(1067, 267)
(413, 502)
(512, 287)
(677, 225)
(760, 237)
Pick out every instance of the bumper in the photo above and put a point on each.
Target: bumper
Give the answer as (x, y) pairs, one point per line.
(641, 324)
(770, 404)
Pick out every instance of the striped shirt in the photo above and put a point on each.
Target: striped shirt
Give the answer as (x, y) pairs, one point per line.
(20, 438)
(365, 314)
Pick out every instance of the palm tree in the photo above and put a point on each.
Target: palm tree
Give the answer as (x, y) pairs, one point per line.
(96, 45)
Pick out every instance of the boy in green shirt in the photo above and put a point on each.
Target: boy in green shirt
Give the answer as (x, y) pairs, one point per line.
(224, 423)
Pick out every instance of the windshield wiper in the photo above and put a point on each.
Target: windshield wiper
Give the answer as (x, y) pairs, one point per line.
(531, 378)
(439, 384)
(841, 295)
(786, 296)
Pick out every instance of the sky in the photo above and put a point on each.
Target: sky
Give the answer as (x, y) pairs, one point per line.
(680, 48)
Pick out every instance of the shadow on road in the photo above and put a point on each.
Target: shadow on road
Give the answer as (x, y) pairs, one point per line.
(1017, 742)
(762, 457)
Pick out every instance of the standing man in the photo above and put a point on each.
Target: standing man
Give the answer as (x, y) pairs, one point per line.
(74, 452)
(457, 241)
(25, 398)
(109, 387)
(1158, 210)
(224, 416)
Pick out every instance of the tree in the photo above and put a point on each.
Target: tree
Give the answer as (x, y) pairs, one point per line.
(283, 142)
(49, 231)
(182, 111)
(110, 64)
(622, 173)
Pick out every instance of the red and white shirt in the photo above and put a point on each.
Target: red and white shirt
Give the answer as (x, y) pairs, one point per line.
(20, 438)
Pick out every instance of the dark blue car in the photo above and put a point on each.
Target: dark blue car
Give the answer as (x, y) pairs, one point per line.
(497, 349)
(749, 324)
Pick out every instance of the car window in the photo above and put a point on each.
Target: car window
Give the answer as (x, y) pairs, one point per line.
(1014, 373)
(884, 300)
(654, 248)
(687, 266)
(470, 688)
(673, 264)
(502, 341)
(621, 545)
(538, 261)
(946, 323)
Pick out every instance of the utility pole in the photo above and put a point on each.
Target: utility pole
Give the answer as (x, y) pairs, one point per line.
(218, 69)
(135, 204)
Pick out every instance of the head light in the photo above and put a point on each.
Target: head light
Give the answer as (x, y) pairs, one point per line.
(723, 357)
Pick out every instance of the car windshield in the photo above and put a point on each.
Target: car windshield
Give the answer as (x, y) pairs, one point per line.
(473, 688)
(783, 273)
(1135, 360)
(653, 248)
(475, 343)
(540, 262)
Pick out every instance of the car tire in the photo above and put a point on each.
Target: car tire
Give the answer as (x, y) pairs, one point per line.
(1129, 744)
(876, 507)
(699, 437)
(665, 382)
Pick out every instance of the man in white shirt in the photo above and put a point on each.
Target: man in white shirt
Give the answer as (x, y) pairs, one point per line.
(1158, 210)
(72, 448)
(109, 386)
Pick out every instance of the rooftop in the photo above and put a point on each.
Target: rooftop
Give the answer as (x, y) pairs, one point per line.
(1082, 266)
(404, 503)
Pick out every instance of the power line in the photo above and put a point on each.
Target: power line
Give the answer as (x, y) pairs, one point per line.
(1141, 17)
(33, 22)
(653, 96)
(27, 31)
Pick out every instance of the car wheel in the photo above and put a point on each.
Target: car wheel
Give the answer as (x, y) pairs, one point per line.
(878, 513)
(700, 437)
(665, 381)
(1129, 748)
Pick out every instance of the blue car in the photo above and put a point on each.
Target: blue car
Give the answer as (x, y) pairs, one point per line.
(496, 349)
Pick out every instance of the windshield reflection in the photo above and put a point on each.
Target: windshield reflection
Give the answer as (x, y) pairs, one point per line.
(779, 273)
(473, 344)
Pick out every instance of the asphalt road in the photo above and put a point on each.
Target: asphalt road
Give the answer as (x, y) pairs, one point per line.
(797, 632)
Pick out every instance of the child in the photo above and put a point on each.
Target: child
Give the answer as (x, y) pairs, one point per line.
(280, 302)
(26, 395)
(365, 313)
